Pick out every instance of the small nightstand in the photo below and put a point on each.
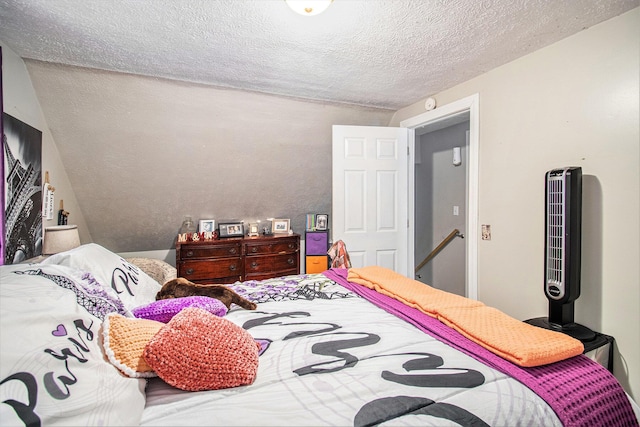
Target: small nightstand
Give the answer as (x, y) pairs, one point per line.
(600, 349)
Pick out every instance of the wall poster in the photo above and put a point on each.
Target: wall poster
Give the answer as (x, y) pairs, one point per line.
(22, 149)
(1, 169)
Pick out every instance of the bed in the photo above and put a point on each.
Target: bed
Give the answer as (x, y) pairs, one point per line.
(85, 343)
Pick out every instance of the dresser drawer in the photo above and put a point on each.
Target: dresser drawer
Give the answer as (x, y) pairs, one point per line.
(316, 242)
(316, 264)
(285, 263)
(265, 263)
(212, 251)
(265, 248)
(210, 271)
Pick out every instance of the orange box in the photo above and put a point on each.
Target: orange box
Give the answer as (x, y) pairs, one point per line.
(316, 264)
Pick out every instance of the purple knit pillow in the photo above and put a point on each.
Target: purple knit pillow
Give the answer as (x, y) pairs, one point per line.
(164, 310)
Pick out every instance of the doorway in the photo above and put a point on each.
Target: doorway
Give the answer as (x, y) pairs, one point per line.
(443, 117)
(441, 204)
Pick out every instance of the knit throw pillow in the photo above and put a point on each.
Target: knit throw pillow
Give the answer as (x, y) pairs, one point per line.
(164, 310)
(198, 351)
(124, 340)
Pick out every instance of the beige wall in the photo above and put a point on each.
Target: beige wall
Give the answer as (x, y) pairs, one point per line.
(20, 101)
(574, 103)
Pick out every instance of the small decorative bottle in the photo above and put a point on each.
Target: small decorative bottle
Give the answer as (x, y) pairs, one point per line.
(188, 226)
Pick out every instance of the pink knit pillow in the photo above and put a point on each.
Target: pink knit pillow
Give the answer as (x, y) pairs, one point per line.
(198, 350)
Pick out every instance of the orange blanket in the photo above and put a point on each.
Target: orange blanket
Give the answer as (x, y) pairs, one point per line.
(521, 343)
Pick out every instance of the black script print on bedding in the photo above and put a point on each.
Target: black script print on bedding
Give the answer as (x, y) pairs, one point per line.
(391, 408)
(334, 349)
(422, 370)
(91, 296)
(467, 378)
(123, 278)
(270, 319)
(72, 350)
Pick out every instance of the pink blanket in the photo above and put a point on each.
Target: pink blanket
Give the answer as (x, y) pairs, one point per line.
(580, 391)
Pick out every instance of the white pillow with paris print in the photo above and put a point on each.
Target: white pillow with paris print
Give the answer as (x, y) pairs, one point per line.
(52, 367)
(133, 286)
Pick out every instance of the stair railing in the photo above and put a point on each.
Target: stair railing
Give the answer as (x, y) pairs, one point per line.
(455, 233)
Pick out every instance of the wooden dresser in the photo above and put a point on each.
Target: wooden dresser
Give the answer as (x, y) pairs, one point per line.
(229, 260)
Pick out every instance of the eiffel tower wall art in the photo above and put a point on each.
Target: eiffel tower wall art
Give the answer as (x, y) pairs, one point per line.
(22, 149)
(1, 168)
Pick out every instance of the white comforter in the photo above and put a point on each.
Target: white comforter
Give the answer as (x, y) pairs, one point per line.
(335, 359)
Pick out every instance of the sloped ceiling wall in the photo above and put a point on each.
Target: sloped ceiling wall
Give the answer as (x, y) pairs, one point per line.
(142, 152)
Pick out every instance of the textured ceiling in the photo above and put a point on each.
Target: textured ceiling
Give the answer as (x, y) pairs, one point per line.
(378, 53)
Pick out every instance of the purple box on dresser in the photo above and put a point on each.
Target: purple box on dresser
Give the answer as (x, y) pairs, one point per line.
(317, 242)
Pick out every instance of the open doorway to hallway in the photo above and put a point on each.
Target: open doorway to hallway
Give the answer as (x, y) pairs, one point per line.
(441, 194)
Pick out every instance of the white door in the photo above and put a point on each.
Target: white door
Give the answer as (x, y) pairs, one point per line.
(370, 195)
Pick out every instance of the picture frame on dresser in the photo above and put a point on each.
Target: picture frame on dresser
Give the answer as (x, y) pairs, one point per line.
(281, 226)
(207, 225)
(254, 229)
(322, 222)
(231, 229)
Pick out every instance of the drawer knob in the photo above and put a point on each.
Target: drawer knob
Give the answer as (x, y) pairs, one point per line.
(254, 265)
(290, 261)
(254, 249)
(189, 271)
(189, 253)
(232, 267)
(291, 245)
(232, 251)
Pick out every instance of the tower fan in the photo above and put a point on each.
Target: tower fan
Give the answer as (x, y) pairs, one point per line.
(563, 229)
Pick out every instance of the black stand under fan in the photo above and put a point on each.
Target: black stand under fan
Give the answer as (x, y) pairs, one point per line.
(563, 229)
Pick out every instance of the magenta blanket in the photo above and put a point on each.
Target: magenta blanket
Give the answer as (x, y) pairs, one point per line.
(580, 391)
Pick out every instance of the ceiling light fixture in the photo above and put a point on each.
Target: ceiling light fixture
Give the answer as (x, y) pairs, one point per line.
(308, 7)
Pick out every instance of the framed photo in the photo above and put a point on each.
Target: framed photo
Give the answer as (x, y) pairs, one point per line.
(322, 222)
(207, 225)
(232, 229)
(280, 226)
(254, 229)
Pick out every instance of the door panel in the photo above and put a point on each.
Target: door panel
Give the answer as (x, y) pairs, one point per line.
(370, 194)
(387, 201)
(354, 207)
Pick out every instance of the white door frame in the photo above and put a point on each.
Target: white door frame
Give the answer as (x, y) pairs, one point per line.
(471, 105)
